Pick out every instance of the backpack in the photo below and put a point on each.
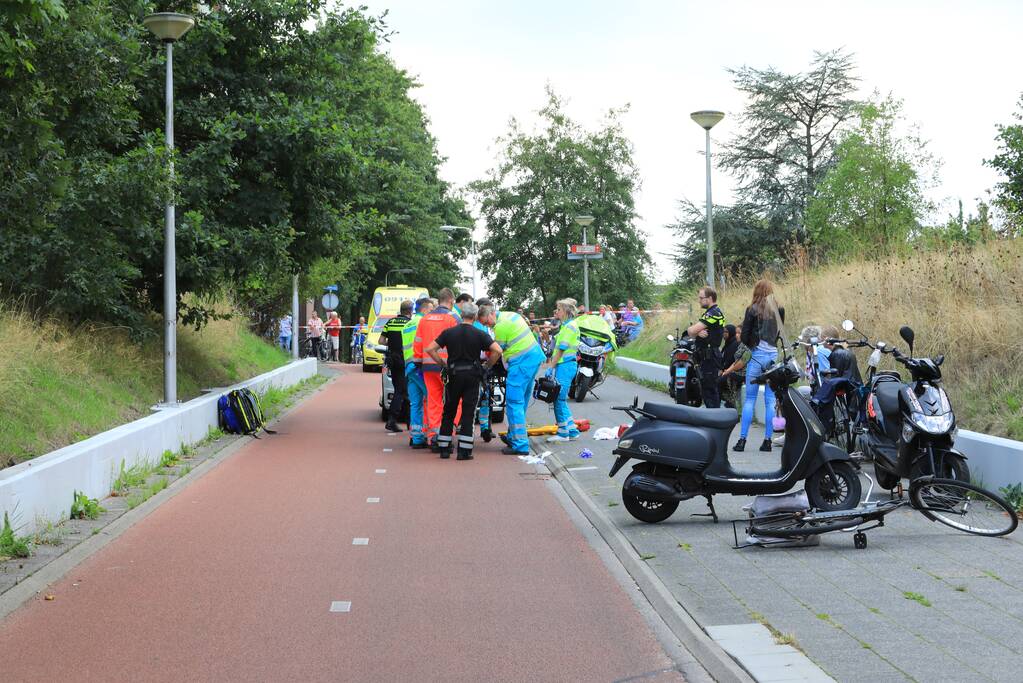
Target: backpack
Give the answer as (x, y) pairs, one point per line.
(239, 412)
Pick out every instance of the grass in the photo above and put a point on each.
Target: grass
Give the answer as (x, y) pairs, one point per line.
(130, 478)
(154, 487)
(647, 556)
(274, 400)
(916, 597)
(962, 302)
(61, 384)
(613, 369)
(169, 458)
(84, 507)
(12, 545)
(686, 547)
(48, 533)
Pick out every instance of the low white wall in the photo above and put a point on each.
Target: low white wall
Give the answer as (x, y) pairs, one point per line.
(43, 488)
(994, 461)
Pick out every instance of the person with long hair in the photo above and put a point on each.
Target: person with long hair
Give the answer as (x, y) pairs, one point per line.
(760, 334)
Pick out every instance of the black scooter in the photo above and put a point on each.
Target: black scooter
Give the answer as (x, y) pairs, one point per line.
(910, 427)
(683, 372)
(684, 454)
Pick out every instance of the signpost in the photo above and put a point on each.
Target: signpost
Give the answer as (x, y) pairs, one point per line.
(589, 252)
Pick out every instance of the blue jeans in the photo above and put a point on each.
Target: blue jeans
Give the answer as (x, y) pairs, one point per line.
(285, 341)
(519, 389)
(565, 373)
(758, 362)
(416, 398)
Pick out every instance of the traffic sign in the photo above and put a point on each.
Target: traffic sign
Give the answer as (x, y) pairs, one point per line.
(584, 252)
(329, 301)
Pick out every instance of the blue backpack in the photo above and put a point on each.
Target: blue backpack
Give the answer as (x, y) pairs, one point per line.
(239, 412)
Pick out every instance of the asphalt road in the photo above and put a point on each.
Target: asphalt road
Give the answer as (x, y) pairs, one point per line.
(922, 602)
(466, 571)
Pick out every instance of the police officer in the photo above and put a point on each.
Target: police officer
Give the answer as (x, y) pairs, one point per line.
(523, 356)
(392, 336)
(708, 331)
(414, 375)
(465, 345)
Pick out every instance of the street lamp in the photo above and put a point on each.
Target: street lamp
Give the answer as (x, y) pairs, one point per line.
(584, 221)
(707, 120)
(472, 248)
(169, 27)
(400, 271)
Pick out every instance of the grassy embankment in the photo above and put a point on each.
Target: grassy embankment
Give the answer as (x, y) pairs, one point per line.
(964, 303)
(59, 385)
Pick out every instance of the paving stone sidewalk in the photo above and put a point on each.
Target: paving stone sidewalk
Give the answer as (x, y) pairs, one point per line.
(922, 602)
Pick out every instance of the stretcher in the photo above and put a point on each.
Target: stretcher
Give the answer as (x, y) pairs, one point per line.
(582, 424)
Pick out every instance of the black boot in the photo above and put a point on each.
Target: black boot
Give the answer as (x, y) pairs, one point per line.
(766, 446)
(464, 454)
(740, 445)
(487, 435)
(445, 452)
(392, 426)
(418, 446)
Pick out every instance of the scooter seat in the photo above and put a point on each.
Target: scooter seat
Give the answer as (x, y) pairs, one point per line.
(717, 418)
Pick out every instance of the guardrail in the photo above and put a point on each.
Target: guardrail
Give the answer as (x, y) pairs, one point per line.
(993, 460)
(43, 488)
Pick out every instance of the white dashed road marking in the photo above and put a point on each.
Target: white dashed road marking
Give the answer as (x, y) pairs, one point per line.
(341, 606)
(360, 541)
(372, 500)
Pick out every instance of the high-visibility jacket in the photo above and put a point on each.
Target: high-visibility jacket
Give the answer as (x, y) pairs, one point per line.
(485, 330)
(567, 340)
(408, 336)
(429, 329)
(513, 334)
(596, 326)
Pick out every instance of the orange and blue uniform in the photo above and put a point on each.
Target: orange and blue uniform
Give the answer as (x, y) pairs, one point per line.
(428, 330)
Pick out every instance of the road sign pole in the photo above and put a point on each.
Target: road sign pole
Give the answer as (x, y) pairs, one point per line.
(294, 316)
(586, 277)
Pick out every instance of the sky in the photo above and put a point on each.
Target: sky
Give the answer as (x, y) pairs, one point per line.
(956, 66)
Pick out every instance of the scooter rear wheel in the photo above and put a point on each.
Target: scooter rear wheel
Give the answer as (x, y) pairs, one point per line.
(649, 511)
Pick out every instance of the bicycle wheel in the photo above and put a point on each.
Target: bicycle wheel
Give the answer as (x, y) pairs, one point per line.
(792, 526)
(963, 506)
(842, 426)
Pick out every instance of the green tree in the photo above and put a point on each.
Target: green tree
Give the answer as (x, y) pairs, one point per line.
(1009, 162)
(787, 135)
(873, 195)
(541, 182)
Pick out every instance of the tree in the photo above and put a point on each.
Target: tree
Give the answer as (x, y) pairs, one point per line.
(873, 195)
(743, 243)
(541, 182)
(1009, 161)
(788, 131)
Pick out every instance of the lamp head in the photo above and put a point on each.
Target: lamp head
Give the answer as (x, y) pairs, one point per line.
(168, 26)
(707, 119)
(584, 220)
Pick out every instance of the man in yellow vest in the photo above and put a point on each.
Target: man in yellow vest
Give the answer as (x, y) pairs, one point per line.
(523, 357)
(414, 375)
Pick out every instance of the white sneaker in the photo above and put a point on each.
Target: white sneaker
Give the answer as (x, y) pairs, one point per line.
(557, 438)
(778, 440)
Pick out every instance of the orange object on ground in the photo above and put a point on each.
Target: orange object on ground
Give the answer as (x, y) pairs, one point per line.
(582, 425)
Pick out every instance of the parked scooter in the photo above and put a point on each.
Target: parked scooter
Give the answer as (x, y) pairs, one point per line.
(909, 428)
(591, 355)
(683, 372)
(683, 454)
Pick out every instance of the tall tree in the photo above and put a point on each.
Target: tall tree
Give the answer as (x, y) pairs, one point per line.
(1009, 161)
(787, 135)
(873, 194)
(529, 200)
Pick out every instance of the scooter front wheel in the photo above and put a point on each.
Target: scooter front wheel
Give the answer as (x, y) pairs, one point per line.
(649, 511)
(841, 492)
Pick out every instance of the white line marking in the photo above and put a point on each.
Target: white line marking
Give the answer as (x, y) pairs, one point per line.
(388, 450)
(372, 500)
(580, 469)
(385, 471)
(360, 541)
(341, 606)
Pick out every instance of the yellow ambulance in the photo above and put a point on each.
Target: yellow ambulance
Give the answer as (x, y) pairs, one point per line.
(385, 305)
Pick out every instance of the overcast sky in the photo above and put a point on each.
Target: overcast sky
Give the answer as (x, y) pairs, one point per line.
(957, 66)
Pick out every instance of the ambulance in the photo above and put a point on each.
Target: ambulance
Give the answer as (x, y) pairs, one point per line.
(385, 305)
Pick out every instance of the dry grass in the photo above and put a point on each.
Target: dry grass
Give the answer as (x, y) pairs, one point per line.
(964, 303)
(60, 384)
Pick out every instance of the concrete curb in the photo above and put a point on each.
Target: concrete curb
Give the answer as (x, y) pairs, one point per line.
(60, 566)
(707, 652)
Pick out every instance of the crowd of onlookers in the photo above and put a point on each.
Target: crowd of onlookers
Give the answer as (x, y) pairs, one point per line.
(626, 321)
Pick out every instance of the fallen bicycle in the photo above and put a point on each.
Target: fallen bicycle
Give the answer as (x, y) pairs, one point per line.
(957, 504)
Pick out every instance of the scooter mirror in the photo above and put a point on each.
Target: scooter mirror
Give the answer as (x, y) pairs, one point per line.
(848, 326)
(671, 337)
(906, 332)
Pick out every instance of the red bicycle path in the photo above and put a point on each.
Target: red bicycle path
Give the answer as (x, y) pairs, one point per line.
(472, 572)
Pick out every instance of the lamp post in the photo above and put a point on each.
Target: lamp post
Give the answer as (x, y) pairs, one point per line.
(584, 221)
(472, 250)
(169, 27)
(400, 271)
(707, 120)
